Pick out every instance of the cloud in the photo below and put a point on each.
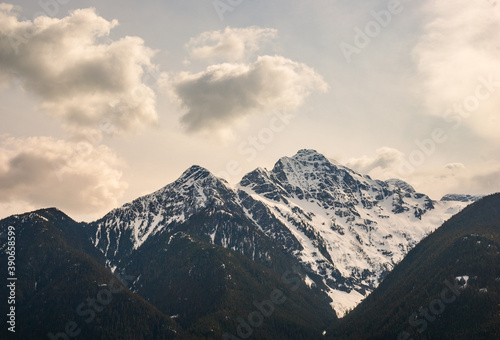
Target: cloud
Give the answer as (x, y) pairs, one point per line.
(477, 179)
(232, 44)
(488, 181)
(454, 166)
(43, 172)
(81, 76)
(456, 54)
(384, 158)
(433, 180)
(227, 92)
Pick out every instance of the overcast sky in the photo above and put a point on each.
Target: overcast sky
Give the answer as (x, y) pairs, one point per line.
(104, 101)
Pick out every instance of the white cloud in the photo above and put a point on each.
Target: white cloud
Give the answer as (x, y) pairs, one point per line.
(81, 76)
(41, 172)
(227, 92)
(384, 158)
(232, 44)
(459, 47)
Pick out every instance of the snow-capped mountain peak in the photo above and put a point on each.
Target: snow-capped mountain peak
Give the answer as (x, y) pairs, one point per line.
(350, 228)
(126, 228)
(194, 174)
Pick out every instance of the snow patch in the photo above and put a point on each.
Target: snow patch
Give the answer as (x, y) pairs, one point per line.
(343, 301)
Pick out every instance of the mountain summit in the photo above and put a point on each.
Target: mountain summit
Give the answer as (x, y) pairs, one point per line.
(345, 227)
(125, 229)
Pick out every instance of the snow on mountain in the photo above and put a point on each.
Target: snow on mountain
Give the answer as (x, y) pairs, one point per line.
(125, 229)
(353, 229)
(347, 229)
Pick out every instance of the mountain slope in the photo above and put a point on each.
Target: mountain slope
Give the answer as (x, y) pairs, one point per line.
(208, 289)
(60, 289)
(448, 287)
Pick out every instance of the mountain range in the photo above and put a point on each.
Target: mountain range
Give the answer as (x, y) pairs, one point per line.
(304, 242)
(345, 228)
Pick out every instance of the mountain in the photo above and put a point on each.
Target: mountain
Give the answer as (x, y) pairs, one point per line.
(351, 229)
(345, 229)
(62, 288)
(447, 287)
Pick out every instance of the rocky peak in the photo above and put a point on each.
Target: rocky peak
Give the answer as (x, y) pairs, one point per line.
(399, 184)
(309, 155)
(195, 174)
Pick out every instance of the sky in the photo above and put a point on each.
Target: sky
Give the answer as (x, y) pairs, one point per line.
(105, 101)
